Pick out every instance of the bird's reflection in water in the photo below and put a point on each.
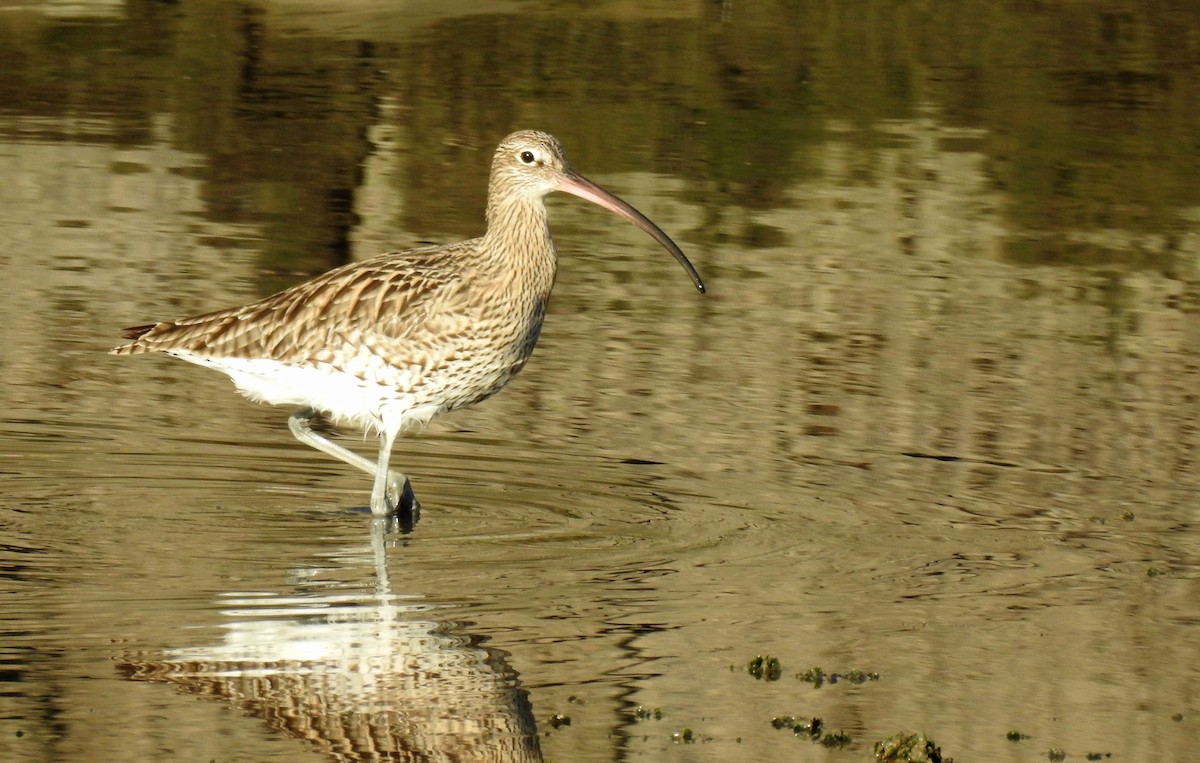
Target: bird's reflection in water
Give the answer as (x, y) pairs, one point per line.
(362, 677)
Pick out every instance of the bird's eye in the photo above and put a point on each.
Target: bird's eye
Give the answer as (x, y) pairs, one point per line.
(527, 157)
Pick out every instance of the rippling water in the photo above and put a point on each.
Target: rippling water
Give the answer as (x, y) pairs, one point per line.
(935, 420)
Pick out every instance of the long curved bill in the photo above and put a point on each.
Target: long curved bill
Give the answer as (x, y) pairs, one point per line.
(574, 183)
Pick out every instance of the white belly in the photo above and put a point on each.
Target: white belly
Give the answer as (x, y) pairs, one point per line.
(344, 397)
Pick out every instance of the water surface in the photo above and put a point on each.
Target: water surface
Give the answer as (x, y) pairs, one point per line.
(935, 419)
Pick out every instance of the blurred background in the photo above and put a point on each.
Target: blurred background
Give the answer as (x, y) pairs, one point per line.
(935, 420)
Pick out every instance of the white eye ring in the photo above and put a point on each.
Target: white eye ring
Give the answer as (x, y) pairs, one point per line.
(527, 157)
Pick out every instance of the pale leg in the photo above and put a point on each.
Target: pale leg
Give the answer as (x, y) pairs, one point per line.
(387, 481)
(379, 493)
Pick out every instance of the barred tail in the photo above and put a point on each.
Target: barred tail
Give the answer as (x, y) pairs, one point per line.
(134, 333)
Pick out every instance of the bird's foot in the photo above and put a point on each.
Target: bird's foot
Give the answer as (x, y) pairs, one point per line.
(400, 503)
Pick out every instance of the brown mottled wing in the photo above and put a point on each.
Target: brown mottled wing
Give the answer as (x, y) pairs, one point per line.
(394, 295)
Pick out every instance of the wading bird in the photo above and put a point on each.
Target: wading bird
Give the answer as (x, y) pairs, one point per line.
(390, 342)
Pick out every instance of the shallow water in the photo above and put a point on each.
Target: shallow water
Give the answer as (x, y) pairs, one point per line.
(935, 419)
